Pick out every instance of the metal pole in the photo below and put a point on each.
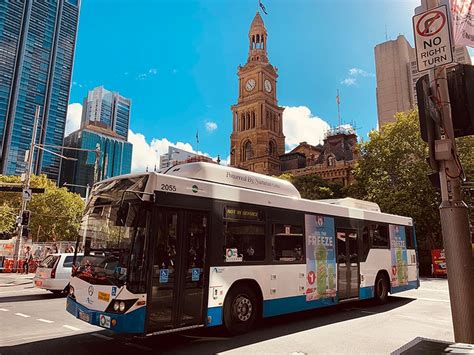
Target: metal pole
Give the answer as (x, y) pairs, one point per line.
(87, 193)
(26, 186)
(454, 219)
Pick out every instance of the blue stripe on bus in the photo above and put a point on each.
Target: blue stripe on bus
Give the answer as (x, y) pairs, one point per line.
(286, 305)
(411, 285)
(214, 315)
(133, 322)
(366, 292)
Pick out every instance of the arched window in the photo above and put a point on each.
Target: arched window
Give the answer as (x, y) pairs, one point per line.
(331, 161)
(247, 151)
(247, 123)
(253, 119)
(271, 148)
(258, 41)
(242, 122)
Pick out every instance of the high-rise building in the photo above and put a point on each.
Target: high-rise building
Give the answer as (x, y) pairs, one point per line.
(257, 138)
(37, 42)
(176, 156)
(397, 73)
(114, 158)
(107, 109)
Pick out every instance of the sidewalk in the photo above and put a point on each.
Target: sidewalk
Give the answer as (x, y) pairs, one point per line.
(13, 279)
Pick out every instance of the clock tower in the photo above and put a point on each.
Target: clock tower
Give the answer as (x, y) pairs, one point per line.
(257, 138)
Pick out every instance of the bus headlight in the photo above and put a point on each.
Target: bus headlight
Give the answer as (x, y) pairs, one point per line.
(116, 306)
(122, 306)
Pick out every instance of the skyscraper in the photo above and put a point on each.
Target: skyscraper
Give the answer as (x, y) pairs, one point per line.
(397, 73)
(114, 158)
(107, 109)
(37, 42)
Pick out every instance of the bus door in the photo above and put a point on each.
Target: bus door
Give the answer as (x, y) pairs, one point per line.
(347, 264)
(177, 292)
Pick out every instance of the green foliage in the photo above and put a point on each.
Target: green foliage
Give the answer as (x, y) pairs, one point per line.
(55, 214)
(314, 187)
(393, 173)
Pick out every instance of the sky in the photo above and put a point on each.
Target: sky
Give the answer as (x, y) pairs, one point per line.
(177, 61)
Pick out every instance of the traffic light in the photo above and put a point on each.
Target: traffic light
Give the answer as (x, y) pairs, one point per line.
(429, 116)
(461, 89)
(24, 232)
(25, 218)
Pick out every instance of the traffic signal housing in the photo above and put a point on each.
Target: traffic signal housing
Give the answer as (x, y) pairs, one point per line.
(25, 218)
(460, 86)
(461, 89)
(24, 232)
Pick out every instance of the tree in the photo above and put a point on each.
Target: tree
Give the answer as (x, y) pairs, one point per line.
(55, 214)
(314, 187)
(393, 173)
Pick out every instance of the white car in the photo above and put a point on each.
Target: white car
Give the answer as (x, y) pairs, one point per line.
(54, 271)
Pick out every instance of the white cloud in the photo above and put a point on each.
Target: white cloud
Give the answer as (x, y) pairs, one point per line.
(353, 74)
(211, 126)
(153, 71)
(349, 81)
(300, 125)
(73, 118)
(148, 154)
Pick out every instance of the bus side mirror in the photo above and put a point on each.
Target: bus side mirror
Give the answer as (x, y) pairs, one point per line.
(122, 214)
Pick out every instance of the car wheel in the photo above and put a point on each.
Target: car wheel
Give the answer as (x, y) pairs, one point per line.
(241, 309)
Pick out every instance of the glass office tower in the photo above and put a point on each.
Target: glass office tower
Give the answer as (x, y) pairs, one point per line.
(108, 110)
(37, 42)
(115, 157)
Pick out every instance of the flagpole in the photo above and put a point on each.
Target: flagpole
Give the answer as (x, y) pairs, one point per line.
(338, 100)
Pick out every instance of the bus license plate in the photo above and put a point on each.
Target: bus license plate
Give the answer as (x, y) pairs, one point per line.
(84, 316)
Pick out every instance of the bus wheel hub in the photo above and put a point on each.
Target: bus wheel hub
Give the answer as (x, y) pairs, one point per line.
(242, 308)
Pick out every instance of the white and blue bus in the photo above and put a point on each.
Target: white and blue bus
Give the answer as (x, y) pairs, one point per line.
(202, 245)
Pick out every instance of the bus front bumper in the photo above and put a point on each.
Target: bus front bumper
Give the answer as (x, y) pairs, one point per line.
(132, 322)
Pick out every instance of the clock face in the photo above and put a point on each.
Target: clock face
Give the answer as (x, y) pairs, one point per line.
(250, 85)
(268, 85)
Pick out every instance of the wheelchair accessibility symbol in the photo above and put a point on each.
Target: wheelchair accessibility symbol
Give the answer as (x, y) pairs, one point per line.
(164, 276)
(195, 274)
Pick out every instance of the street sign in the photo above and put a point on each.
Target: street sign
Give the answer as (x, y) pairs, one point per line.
(432, 38)
(26, 194)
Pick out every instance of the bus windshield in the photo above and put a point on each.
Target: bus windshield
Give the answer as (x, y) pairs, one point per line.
(114, 254)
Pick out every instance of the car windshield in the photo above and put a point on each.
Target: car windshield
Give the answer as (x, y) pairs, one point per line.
(109, 248)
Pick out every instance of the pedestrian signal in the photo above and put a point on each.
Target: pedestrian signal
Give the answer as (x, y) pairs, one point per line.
(25, 218)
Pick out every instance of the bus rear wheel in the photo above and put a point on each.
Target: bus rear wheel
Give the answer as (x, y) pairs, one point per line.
(241, 309)
(381, 289)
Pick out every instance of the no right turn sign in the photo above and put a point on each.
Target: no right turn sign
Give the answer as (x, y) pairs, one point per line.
(432, 38)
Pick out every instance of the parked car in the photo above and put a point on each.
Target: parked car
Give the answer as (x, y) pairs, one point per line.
(54, 271)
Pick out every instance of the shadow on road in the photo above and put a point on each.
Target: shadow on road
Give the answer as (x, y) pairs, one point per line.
(24, 298)
(206, 341)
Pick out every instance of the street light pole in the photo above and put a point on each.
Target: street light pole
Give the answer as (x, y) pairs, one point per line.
(454, 216)
(26, 185)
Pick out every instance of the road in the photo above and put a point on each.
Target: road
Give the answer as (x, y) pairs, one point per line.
(35, 321)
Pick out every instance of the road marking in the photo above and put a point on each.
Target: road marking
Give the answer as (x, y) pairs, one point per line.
(45, 320)
(70, 327)
(22, 315)
(432, 299)
(3, 310)
(101, 336)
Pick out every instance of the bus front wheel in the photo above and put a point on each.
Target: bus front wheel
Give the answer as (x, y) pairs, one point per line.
(241, 309)
(381, 289)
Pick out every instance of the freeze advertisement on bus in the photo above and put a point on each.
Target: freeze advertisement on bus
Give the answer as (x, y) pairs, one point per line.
(320, 257)
(398, 250)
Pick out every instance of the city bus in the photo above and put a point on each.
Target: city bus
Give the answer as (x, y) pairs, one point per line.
(203, 245)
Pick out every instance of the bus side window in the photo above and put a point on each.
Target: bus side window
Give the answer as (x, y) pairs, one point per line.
(409, 236)
(380, 236)
(365, 244)
(244, 242)
(288, 243)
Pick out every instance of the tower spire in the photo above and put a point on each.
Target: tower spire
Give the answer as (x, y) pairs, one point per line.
(257, 40)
